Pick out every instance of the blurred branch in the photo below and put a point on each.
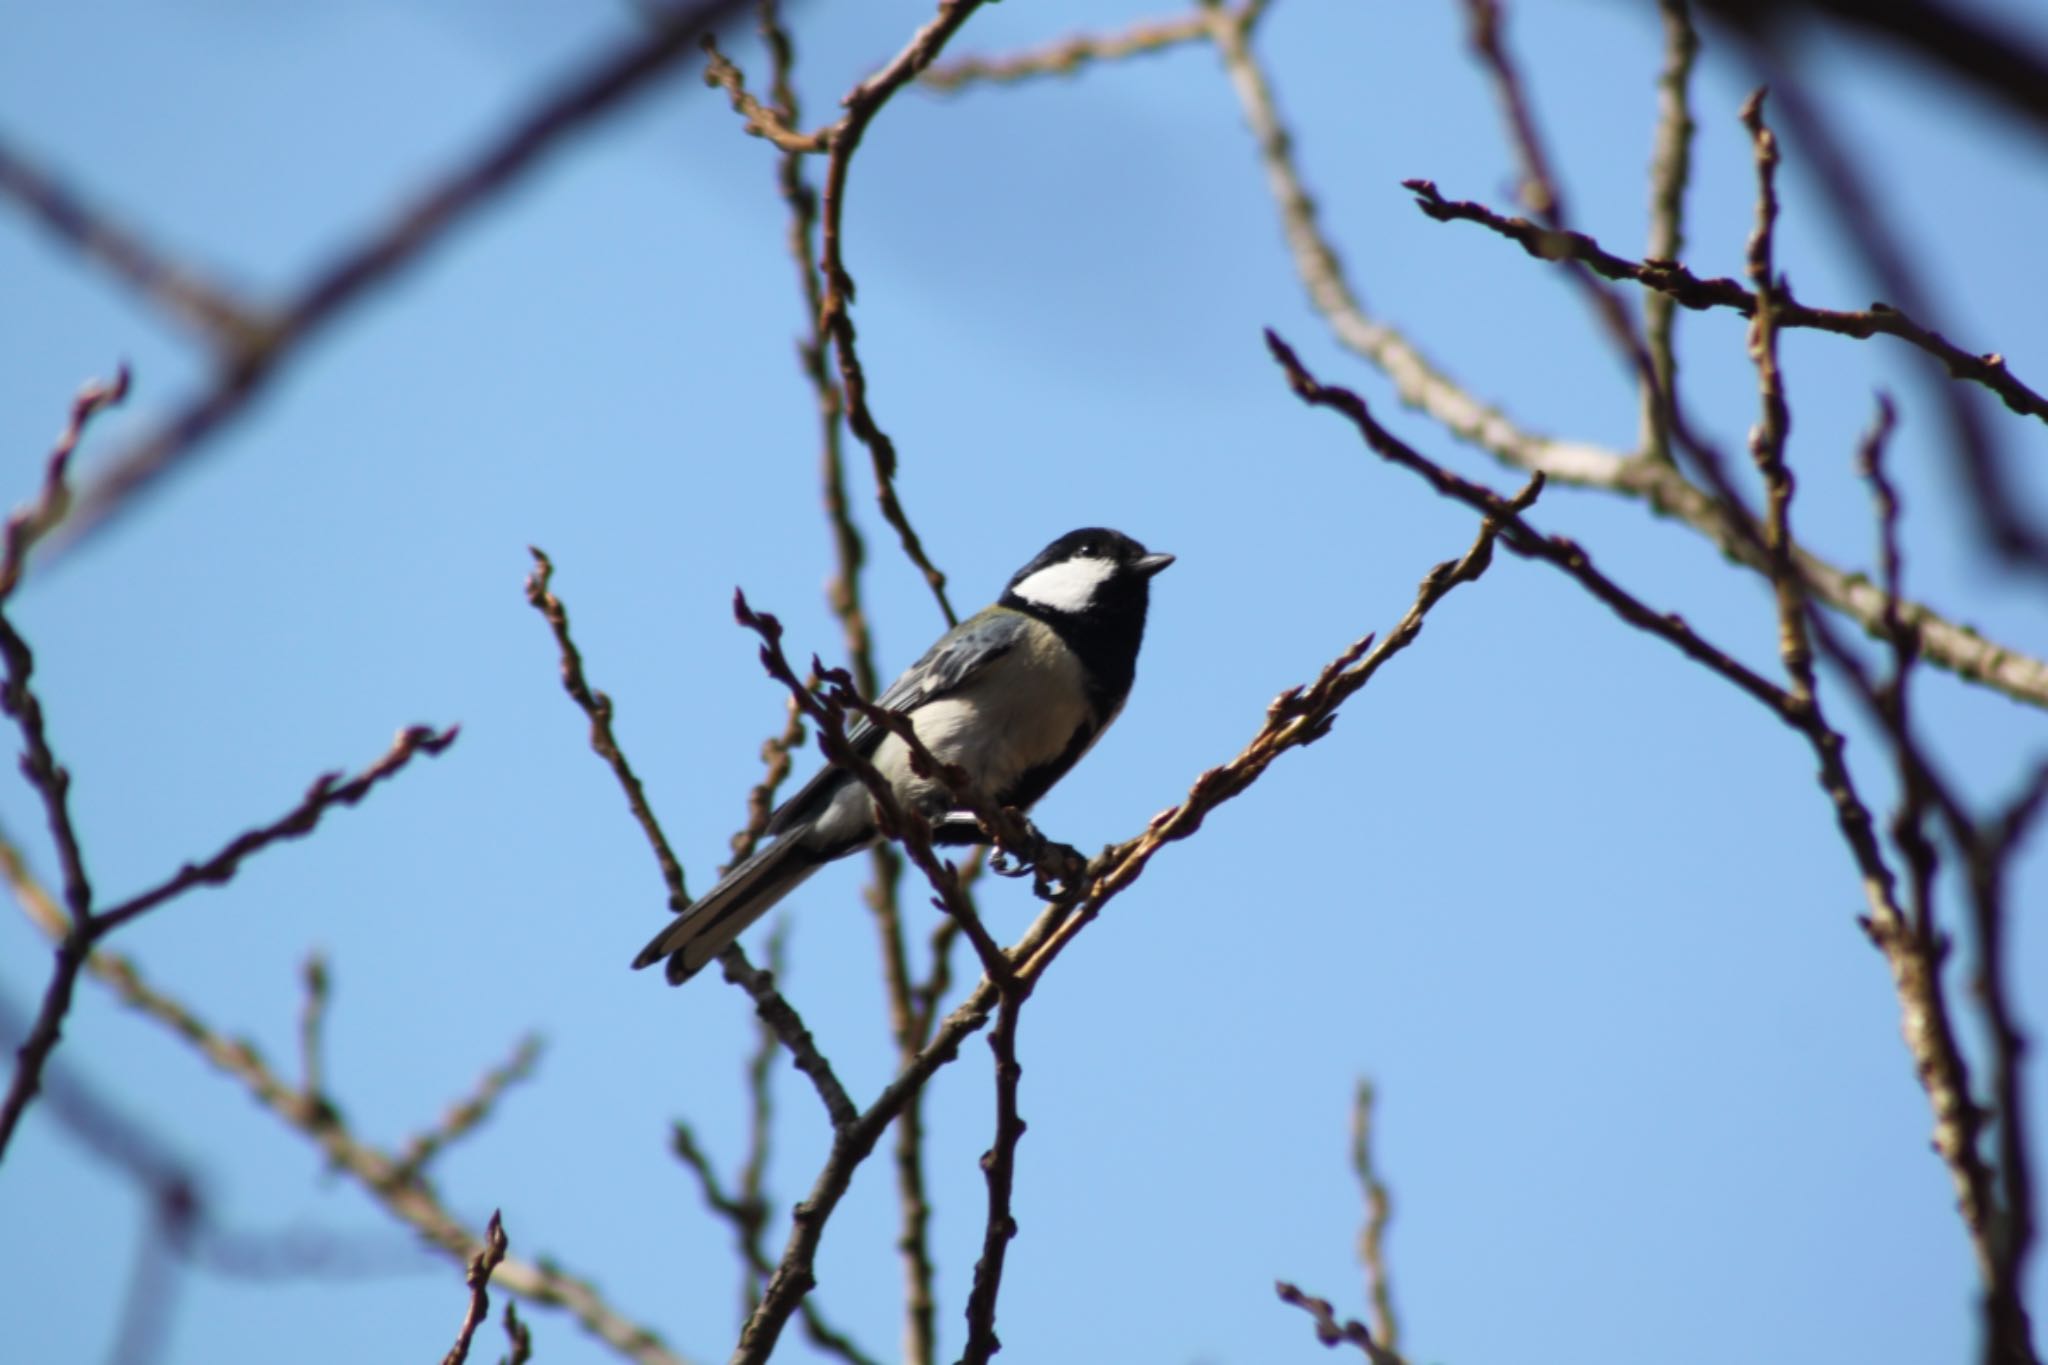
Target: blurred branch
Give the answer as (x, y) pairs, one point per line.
(1072, 54)
(603, 742)
(205, 307)
(1669, 279)
(1976, 50)
(1543, 195)
(411, 1201)
(1979, 451)
(1332, 1333)
(263, 342)
(467, 1114)
(487, 1259)
(518, 1335)
(1379, 1209)
(313, 1026)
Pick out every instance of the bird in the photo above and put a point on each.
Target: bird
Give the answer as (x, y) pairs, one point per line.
(1013, 696)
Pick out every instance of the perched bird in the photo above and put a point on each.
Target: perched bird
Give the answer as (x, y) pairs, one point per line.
(1014, 695)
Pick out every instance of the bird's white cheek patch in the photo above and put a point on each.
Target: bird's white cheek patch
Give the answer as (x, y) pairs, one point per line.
(1067, 586)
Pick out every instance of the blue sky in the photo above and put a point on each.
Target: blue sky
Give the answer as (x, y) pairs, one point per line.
(1578, 908)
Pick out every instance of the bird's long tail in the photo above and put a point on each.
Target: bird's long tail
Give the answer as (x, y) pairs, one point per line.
(721, 914)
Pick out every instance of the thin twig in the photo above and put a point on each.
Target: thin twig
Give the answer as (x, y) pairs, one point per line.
(1333, 1333)
(327, 792)
(999, 1165)
(518, 1336)
(1379, 1210)
(1522, 538)
(748, 1220)
(1071, 54)
(603, 742)
(488, 1258)
(31, 523)
(313, 1025)
(467, 1114)
(1668, 278)
(1670, 176)
(862, 104)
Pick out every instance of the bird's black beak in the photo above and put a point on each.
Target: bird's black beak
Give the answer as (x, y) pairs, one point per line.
(1152, 564)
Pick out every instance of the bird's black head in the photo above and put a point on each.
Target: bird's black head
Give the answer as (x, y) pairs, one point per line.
(1092, 586)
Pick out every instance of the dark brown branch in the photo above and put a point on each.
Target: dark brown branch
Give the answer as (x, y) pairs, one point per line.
(1379, 1210)
(603, 742)
(384, 254)
(488, 1258)
(779, 1015)
(1332, 1333)
(518, 1336)
(31, 523)
(1672, 279)
(1522, 538)
(862, 104)
(748, 1219)
(327, 792)
(999, 1165)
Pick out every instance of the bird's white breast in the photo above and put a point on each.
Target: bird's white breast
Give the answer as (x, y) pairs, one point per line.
(1022, 713)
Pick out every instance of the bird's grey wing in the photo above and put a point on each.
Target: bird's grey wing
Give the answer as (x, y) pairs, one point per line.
(959, 655)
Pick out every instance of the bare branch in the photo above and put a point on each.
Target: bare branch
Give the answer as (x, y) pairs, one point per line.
(603, 742)
(327, 792)
(999, 1165)
(206, 307)
(863, 103)
(487, 1259)
(467, 1114)
(1379, 1210)
(1670, 174)
(31, 523)
(1525, 540)
(1332, 1333)
(313, 1026)
(1072, 54)
(1668, 278)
